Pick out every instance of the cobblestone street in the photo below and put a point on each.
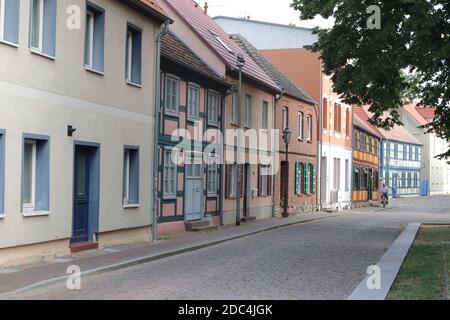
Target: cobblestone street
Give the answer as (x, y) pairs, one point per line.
(317, 260)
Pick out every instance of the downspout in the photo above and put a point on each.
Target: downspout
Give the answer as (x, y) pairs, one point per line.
(320, 147)
(275, 121)
(156, 119)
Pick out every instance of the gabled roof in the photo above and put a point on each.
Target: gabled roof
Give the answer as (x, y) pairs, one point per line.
(398, 133)
(288, 86)
(219, 41)
(423, 115)
(358, 122)
(175, 50)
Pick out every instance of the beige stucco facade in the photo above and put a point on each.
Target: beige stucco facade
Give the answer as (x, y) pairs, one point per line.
(42, 96)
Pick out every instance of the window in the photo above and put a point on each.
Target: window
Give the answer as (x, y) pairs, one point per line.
(2, 170)
(248, 111)
(94, 38)
(193, 107)
(337, 174)
(235, 108)
(356, 179)
(325, 113)
(172, 96)
(230, 181)
(347, 174)
(43, 31)
(300, 125)
(312, 177)
(131, 176)
(265, 181)
(309, 128)
(213, 178)
(9, 21)
(213, 109)
(35, 173)
(285, 119)
(265, 115)
(336, 117)
(133, 55)
(348, 124)
(169, 175)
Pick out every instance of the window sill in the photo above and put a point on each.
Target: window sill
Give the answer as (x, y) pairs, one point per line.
(2, 216)
(300, 139)
(11, 44)
(39, 53)
(137, 85)
(191, 119)
(213, 124)
(169, 197)
(89, 69)
(172, 114)
(212, 196)
(131, 206)
(233, 123)
(29, 214)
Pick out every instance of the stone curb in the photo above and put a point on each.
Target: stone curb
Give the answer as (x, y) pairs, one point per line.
(389, 265)
(151, 258)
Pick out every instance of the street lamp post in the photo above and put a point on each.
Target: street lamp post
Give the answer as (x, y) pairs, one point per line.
(240, 65)
(287, 140)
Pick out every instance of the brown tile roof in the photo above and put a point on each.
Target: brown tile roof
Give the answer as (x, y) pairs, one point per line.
(289, 87)
(398, 133)
(175, 50)
(423, 115)
(218, 40)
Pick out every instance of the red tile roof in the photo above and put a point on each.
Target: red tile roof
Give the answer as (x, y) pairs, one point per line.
(398, 133)
(207, 29)
(358, 122)
(423, 115)
(155, 6)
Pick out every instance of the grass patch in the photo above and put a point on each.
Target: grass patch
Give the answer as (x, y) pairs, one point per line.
(425, 272)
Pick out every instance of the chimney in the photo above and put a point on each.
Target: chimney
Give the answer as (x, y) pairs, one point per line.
(206, 8)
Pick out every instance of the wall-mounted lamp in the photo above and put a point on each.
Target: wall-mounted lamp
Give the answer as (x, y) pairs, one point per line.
(70, 130)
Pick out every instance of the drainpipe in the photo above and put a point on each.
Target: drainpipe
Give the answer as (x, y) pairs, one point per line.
(320, 148)
(164, 30)
(275, 119)
(222, 171)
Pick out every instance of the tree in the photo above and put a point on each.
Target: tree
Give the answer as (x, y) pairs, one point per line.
(368, 64)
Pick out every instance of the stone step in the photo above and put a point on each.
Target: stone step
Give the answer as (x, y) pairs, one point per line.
(204, 228)
(248, 219)
(83, 246)
(196, 224)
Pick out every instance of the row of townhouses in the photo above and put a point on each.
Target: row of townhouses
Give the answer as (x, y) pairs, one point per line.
(125, 120)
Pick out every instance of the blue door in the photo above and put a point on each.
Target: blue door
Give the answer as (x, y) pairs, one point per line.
(194, 192)
(80, 232)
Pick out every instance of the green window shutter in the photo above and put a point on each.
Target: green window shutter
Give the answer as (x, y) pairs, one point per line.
(297, 177)
(313, 179)
(306, 175)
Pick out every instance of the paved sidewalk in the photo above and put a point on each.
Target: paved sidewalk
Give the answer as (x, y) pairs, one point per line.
(98, 261)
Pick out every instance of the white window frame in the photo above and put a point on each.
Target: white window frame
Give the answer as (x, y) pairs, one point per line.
(300, 125)
(31, 206)
(190, 103)
(129, 55)
(41, 25)
(264, 180)
(90, 25)
(284, 118)
(212, 171)
(169, 166)
(248, 111)
(309, 127)
(213, 120)
(126, 177)
(2, 19)
(176, 109)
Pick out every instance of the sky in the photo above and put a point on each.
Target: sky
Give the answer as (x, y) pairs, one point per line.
(263, 10)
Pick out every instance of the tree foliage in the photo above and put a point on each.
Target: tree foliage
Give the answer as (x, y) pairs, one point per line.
(368, 66)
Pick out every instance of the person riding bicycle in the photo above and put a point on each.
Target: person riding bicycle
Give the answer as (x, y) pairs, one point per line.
(385, 192)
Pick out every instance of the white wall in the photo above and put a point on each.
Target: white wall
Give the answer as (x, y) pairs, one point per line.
(42, 96)
(330, 152)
